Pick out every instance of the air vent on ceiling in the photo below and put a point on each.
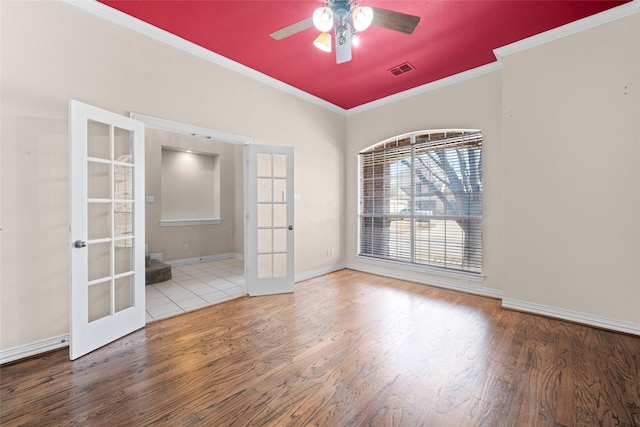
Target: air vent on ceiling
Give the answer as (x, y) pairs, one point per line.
(401, 69)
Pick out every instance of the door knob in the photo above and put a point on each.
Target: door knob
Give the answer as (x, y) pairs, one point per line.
(291, 227)
(79, 244)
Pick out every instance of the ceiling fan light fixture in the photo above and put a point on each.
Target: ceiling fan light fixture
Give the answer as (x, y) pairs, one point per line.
(362, 17)
(323, 19)
(323, 42)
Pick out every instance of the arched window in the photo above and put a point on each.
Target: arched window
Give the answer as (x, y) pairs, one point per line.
(421, 199)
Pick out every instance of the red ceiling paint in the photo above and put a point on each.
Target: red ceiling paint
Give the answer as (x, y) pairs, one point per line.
(452, 37)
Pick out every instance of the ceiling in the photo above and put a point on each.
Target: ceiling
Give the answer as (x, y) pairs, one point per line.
(452, 37)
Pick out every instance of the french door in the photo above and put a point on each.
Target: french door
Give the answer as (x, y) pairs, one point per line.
(269, 221)
(106, 227)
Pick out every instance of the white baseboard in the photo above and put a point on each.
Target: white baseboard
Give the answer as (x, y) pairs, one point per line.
(320, 272)
(443, 282)
(33, 349)
(195, 260)
(572, 316)
(509, 303)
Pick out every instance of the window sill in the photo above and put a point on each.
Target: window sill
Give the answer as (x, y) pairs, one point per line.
(183, 222)
(466, 276)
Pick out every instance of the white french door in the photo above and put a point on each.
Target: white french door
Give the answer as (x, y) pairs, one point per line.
(106, 227)
(269, 220)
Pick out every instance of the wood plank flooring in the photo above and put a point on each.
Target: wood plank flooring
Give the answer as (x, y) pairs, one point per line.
(346, 349)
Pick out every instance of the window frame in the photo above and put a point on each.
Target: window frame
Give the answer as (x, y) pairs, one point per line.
(470, 267)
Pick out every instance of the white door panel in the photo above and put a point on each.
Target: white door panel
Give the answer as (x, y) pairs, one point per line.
(269, 222)
(106, 227)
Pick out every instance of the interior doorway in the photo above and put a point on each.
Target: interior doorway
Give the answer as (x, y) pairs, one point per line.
(198, 232)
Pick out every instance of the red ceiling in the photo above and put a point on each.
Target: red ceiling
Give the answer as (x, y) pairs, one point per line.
(452, 37)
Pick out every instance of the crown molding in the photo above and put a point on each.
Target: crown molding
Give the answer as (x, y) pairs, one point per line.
(592, 21)
(447, 81)
(622, 11)
(115, 16)
(129, 22)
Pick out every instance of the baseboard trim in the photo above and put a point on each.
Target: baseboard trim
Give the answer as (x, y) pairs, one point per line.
(507, 303)
(572, 316)
(198, 259)
(320, 272)
(444, 282)
(34, 349)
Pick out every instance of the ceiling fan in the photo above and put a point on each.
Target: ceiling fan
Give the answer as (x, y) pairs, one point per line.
(346, 18)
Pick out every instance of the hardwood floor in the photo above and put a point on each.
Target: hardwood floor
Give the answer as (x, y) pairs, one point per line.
(346, 349)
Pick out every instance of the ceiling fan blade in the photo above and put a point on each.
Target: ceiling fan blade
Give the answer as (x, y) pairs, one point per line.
(292, 29)
(343, 51)
(396, 21)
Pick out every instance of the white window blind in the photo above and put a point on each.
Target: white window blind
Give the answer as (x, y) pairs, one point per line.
(421, 199)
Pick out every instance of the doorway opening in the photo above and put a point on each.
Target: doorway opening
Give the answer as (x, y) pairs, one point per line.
(194, 220)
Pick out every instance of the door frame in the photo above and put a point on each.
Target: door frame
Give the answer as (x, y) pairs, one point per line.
(158, 123)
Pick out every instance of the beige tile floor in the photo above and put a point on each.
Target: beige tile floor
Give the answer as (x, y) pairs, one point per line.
(194, 286)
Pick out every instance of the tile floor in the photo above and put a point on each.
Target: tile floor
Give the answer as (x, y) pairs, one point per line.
(194, 286)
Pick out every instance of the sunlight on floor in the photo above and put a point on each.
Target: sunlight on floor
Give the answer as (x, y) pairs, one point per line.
(194, 286)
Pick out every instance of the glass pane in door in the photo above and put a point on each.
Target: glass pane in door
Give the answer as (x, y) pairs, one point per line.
(265, 192)
(123, 293)
(279, 265)
(280, 240)
(99, 220)
(279, 190)
(280, 215)
(265, 240)
(123, 252)
(265, 266)
(99, 300)
(122, 145)
(123, 220)
(264, 164)
(264, 215)
(280, 165)
(98, 141)
(98, 180)
(99, 261)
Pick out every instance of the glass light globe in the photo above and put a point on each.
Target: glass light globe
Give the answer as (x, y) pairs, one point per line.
(323, 19)
(362, 17)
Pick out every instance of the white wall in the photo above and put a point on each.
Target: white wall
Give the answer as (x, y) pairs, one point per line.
(202, 240)
(53, 52)
(572, 179)
(187, 185)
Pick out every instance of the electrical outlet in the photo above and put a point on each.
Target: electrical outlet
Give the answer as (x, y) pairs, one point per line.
(329, 253)
(186, 246)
